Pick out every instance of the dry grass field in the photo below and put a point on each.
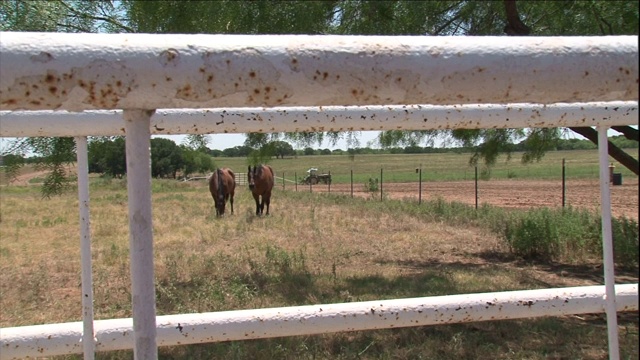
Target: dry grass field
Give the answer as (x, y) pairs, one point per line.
(313, 248)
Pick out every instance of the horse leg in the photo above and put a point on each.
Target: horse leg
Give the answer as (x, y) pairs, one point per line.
(262, 205)
(231, 202)
(256, 198)
(267, 201)
(215, 203)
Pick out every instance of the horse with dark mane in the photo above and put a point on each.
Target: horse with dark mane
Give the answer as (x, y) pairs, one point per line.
(222, 185)
(261, 181)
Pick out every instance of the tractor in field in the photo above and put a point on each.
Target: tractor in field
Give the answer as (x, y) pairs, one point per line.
(313, 177)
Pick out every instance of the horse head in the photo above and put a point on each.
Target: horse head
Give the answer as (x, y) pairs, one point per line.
(251, 174)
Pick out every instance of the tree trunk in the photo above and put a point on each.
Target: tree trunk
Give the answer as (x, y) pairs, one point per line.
(516, 27)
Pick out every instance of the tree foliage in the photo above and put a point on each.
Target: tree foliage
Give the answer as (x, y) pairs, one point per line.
(107, 156)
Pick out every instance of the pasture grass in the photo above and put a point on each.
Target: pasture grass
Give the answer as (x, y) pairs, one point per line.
(313, 248)
(579, 164)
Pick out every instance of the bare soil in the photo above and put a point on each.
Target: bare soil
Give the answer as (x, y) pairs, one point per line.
(521, 194)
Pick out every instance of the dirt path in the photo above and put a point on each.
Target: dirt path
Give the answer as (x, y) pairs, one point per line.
(521, 194)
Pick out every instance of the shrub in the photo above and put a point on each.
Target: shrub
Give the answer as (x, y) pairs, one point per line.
(568, 234)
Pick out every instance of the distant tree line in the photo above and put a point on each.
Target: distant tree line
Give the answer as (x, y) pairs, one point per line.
(107, 155)
(561, 144)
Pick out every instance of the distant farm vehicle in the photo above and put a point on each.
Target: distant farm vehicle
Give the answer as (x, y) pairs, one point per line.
(313, 177)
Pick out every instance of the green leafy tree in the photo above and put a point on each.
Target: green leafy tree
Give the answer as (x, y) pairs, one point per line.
(197, 142)
(196, 162)
(282, 149)
(166, 158)
(54, 154)
(107, 155)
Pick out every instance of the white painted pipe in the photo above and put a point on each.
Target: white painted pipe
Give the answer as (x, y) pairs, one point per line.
(65, 71)
(329, 118)
(607, 244)
(137, 144)
(88, 341)
(116, 334)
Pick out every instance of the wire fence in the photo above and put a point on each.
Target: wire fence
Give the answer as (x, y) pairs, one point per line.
(477, 191)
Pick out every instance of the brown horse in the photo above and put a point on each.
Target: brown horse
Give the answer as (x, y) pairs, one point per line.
(222, 185)
(261, 180)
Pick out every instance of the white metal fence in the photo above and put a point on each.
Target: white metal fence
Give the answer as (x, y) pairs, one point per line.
(579, 76)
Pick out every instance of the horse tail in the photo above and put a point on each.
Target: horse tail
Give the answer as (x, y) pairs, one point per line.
(233, 178)
(220, 184)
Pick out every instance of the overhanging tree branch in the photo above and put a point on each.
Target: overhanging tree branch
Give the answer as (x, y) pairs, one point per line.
(516, 27)
(96, 18)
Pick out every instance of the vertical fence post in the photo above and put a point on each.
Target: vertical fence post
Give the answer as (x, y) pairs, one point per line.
(88, 342)
(351, 182)
(420, 185)
(310, 185)
(380, 184)
(607, 244)
(329, 182)
(563, 184)
(283, 180)
(476, 186)
(295, 177)
(137, 144)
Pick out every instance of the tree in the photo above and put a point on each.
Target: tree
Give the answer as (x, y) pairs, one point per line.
(196, 161)
(516, 27)
(282, 149)
(52, 155)
(197, 142)
(107, 155)
(166, 158)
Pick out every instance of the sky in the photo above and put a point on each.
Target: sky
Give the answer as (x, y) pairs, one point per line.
(225, 141)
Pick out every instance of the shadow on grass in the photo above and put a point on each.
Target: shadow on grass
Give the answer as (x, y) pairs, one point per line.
(591, 272)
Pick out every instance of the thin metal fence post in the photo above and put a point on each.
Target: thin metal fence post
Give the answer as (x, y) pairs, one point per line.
(420, 185)
(380, 184)
(329, 182)
(563, 184)
(295, 177)
(351, 182)
(476, 186)
(283, 181)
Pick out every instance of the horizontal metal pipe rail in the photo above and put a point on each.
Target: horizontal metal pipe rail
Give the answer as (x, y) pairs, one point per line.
(117, 334)
(329, 118)
(64, 71)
